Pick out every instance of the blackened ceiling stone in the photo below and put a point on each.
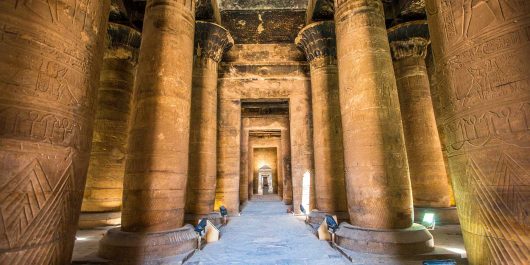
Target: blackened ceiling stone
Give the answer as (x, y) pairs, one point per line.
(261, 4)
(265, 21)
(263, 26)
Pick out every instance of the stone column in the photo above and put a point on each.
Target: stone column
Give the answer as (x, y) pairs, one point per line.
(286, 157)
(228, 154)
(377, 175)
(482, 52)
(104, 186)
(211, 41)
(317, 40)
(243, 179)
(301, 148)
(430, 187)
(48, 85)
(157, 163)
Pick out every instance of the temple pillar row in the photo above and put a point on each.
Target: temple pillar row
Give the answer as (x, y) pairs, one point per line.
(102, 199)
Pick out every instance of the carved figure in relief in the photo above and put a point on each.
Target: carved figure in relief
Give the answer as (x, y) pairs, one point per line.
(495, 9)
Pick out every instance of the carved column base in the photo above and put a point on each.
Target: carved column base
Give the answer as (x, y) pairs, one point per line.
(410, 241)
(214, 217)
(127, 248)
(92, 220)
(442, 215)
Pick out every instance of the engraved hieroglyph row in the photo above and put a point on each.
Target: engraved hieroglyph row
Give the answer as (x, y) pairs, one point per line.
(483, 82)
(48, 84)
(377, 174)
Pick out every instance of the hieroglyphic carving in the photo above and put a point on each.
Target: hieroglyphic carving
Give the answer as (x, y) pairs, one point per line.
(483, 86)
(49, 73)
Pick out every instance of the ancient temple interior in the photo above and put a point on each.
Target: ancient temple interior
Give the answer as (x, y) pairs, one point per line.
(265, 132)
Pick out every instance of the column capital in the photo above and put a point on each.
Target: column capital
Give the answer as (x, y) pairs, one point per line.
(318, 40)
(211, 40)
(123, 42)
(409, 39)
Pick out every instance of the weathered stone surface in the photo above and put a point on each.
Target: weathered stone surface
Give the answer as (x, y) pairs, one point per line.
(408, 44)
(482, 49)
(157, 163)
(318, 42)
(48, 81)
(104, 184)
(377, 177)
(211, 41)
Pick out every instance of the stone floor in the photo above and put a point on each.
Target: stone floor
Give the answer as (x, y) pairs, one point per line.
(265, 233)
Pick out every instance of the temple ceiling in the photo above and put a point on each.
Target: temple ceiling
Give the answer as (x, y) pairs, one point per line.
(265, 21)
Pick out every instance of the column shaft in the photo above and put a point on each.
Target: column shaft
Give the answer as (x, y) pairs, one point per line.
(211, 41)
(243, 179)
(318, 42)
(430, 186)
(377, 177)
(287, 178)
(482, 50)
(49, 73)
(228, 155)
(104, 185)
(157, 164)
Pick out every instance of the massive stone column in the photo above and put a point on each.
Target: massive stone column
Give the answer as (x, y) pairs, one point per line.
(211, 41)
(482, 50)
(104, 186)
(48, 81)
(317, 40)
(157, 163)
(377, 176)
(430, 186)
